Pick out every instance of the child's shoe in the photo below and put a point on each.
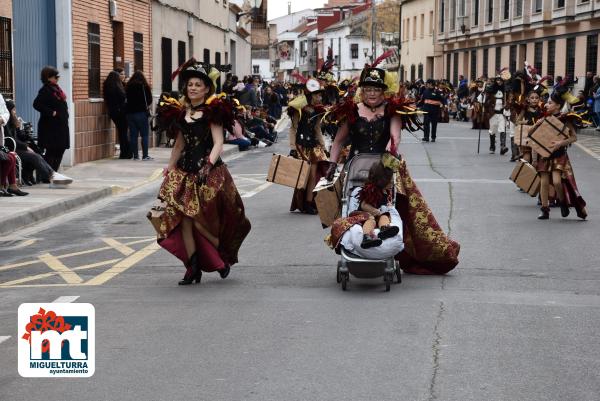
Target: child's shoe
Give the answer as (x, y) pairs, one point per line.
(370, 242)
(386, 232)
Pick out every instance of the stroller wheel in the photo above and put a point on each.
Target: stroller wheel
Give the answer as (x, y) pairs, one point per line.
(344, 281)
(398, 276)
(389, 279)
(339, 275)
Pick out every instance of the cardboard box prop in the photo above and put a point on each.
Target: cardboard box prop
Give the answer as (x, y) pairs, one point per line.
(288, 171)
(526, 177)
(522, 134)
(544, 132)
(329, 202)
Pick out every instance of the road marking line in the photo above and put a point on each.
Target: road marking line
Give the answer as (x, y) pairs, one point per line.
(124, 249)
(124, 264)
(15, 283)
(257, 190)
(587, 150)
(21, 264)
(3, 338)
(464, 180)
(55, 264)
(65, 299)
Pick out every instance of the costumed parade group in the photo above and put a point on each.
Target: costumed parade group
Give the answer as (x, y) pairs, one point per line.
(522, 101)
(202, 220)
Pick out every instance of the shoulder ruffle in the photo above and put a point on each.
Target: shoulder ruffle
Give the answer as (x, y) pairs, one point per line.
(575, 118)
(168, 111)
(219, 111)
(407, 111)
(346, 110)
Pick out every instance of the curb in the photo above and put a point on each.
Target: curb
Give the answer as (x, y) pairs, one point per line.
(46, 212)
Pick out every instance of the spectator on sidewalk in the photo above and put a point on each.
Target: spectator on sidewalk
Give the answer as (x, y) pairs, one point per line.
(271, 103)
(139, 99)
(248, 96)
(25, 148)
(53, 126)
(115, 100)
(237, 137)
(597, 102)
(8, 160)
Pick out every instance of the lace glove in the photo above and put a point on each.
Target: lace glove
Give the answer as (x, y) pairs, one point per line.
(330, 171)
(204, 171)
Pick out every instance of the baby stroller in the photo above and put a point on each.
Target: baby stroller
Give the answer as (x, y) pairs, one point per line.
(356, 172)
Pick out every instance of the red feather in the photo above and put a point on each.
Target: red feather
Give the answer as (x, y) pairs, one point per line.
(345, 110)
(381, 58)
(299, 77)
(182, 67)
(220, 112)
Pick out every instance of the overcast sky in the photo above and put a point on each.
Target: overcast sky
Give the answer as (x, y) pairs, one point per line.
(277, 8)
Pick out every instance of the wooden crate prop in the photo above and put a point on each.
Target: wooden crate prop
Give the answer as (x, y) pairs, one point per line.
(526, 177)
(522, 134)
(329, 203)
(288, 171)
(544, 132)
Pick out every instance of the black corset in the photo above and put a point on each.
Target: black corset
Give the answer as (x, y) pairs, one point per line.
(305, 134)
(370, 136)
(198, 145)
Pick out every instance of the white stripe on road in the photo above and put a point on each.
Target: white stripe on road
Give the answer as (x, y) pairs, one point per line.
(65, 300)
(3, 338)
(588, 151)
(257, 190)
(463, 180)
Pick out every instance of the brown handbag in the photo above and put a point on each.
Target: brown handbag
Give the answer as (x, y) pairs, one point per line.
(155, 214)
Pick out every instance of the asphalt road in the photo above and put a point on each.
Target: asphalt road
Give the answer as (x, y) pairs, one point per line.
(518, 319)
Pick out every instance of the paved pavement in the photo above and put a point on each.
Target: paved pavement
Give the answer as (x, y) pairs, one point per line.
(516, 320)
(92, 181)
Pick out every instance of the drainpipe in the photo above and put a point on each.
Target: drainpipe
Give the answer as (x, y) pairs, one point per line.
(64, 65)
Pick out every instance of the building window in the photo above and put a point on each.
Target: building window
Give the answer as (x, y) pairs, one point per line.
(415, 27)
(206, 58)
(490, 11)
(412, 73)
(485, 62)
(166, 49)
(431, 22)
(591, 50)
(93, 60)
(420, 71)
(537, 6)
(442, 11)
(473, 64)
(6, 66)
(402, 73)
(518, 8)
(422, 27)
(455, 69)
(551, 55)
(498, 59)
(218, 58)
(138, 51)
(452, 14)
(448, 65)
(256, 69)
(180, 56)
(512, 58)
(560, 3)
(475, 12)
(571, 57)
(537, 56)
(505, 9)
(354, 50)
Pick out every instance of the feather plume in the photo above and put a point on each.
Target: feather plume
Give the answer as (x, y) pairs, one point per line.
(299, 77)
(379, 59)
(182, 67)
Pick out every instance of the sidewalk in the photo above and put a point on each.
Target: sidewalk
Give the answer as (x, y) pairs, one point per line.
(92, 181)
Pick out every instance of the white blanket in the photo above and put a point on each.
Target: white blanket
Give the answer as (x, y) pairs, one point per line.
(352, 239)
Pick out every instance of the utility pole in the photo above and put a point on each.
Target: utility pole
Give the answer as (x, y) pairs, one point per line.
(373, 26)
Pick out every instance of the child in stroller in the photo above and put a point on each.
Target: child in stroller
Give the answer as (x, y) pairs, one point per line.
(377, 192)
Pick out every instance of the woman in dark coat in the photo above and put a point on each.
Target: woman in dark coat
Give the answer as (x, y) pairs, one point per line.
(139, 98)
(53, 126)
(115, 100)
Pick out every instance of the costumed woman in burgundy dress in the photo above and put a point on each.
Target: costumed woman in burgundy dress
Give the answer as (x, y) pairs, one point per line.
(556, 170)
(204, 223)
(374, 126)
(306, 140)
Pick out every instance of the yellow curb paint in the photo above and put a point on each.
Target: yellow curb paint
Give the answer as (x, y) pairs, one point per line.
(124, 264)
(124, 249)
(55, 264)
